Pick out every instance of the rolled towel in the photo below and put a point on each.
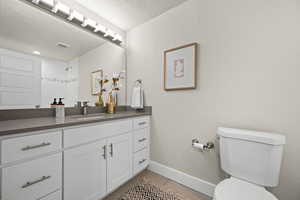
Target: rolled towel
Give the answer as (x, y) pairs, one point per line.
(137, 100)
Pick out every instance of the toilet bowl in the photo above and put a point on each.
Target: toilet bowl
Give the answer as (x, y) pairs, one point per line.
(235, 189)
(253, 160)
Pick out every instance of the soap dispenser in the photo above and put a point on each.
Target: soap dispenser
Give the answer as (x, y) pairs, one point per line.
(60, 101)
(60, 109)
(53, 105)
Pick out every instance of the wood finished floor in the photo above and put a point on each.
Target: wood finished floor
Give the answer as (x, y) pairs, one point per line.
(163, 183)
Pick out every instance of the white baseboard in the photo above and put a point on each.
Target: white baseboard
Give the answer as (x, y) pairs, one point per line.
(183, 178)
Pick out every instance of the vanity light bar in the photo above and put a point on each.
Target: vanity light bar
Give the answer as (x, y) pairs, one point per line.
(71, 15)
(78, 16)
(117, 37)
(36, 1)
(62, 11)
(101, 28)
(55, 7)
(49, 3)
(109, 33)
(84, 23)
(61, 7)
(89, 22)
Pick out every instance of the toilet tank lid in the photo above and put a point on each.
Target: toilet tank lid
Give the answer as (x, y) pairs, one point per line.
(255, 136)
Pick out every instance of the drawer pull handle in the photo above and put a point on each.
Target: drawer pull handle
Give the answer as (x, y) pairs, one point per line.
(104, 152)
(142, 140)
(111, 150)
(35, 182)
(142, 161)
(142, 123)
(36, 146)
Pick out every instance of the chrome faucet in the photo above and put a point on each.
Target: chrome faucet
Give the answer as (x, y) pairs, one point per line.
(85, 107)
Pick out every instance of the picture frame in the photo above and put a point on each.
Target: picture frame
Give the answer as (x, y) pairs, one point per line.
(96, 76)
(180, 65)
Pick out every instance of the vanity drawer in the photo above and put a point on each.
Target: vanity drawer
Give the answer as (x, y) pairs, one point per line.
(32, 180)
(140, 161)
(90, 133)
(29, 146)
(142, 122)
(53, 196)
(141, 139)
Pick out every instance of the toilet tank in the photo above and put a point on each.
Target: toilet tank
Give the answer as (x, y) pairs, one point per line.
(251, 156)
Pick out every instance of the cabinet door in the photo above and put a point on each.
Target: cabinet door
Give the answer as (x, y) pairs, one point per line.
(85, 172)
(119, 165)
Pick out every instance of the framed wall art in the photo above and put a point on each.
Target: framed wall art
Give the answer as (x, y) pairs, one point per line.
(180, 67)
(96, 76)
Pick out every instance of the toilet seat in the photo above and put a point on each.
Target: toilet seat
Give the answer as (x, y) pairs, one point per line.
(235, 189)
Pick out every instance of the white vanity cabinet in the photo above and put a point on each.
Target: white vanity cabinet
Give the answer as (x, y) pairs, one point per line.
(84, 162)
(98, 159)
(93, 170)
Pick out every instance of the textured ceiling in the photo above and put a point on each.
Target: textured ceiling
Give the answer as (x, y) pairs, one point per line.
(26, 29)
(127, 14)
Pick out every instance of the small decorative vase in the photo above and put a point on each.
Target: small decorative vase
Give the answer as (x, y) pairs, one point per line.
(111, 106)
(99, 100)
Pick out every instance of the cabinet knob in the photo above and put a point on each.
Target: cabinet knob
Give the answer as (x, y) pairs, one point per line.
(142, 123)
(142, 161)
(142, 140)
(104, 152)
(111, 150)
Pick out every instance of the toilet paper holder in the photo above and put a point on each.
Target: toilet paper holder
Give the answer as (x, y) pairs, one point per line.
(203, 147)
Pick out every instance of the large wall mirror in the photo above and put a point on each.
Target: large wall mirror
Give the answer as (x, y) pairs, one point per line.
(43, 57)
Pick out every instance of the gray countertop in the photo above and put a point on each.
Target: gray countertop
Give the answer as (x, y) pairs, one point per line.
(9, 127)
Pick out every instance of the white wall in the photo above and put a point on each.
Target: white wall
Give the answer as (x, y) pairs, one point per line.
(110, 58)
(73, 84)
(248, 77)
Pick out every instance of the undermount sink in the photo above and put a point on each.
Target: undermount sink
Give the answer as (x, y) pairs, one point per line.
(88, 117)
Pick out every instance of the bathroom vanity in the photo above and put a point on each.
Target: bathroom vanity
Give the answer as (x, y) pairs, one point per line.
(78, 159)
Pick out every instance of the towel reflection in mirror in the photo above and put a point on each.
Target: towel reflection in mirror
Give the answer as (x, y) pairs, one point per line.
(137, 99)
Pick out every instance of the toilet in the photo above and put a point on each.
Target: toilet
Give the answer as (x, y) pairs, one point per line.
(253, 160)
